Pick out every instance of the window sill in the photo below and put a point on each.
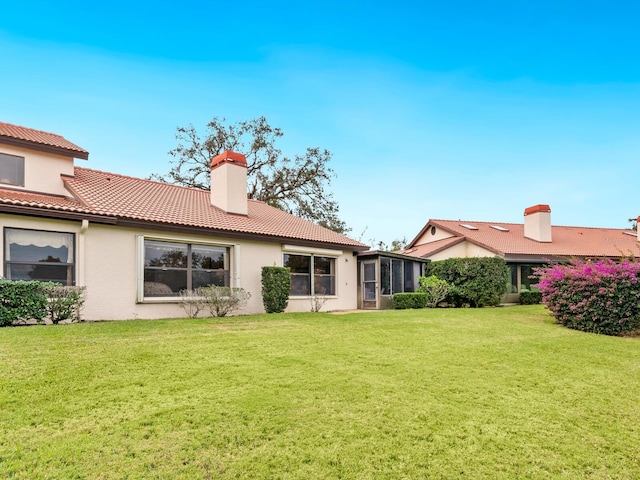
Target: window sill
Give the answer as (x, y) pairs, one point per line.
(307, 297)
(160, 300)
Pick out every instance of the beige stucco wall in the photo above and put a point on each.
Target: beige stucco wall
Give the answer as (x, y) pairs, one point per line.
(108, 263)
(229, 188)
(464, 249)
(428, 237)
(42, 170)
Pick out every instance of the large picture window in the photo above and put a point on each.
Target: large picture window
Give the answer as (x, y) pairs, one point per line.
(170, 267)
(311, 274)
(11, 169)
(39, 255)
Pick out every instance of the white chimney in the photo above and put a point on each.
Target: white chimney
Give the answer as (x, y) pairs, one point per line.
(537, 223)
(229, 182)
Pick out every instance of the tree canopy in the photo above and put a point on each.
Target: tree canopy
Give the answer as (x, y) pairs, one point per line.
(298, 184)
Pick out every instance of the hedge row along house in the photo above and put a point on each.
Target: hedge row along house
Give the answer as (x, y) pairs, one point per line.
(135, 244)
(524, 246)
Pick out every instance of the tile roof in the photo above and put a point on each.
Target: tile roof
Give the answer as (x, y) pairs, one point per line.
(9, 196)
(566, 241)
(123, 197)
(9, 131)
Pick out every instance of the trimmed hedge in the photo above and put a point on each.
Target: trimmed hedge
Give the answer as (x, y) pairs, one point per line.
(476, 281)
(21, 301)
(530, 298)
(403, 301)
(276, 285)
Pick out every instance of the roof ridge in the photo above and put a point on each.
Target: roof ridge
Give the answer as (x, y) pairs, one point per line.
(32, 129)
(474, 221)
(521, 224)
(148, 180)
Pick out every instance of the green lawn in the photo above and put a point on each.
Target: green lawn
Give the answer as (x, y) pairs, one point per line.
(470, 393)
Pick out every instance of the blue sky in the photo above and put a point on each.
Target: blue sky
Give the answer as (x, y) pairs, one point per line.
(449, 110)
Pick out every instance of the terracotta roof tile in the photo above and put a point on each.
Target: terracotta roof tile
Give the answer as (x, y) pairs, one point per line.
(40, 200)
(131, 198)
(566, 241)
(39, 137)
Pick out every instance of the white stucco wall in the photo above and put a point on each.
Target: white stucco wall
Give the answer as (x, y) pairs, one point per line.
(42, 170)
(108, 264)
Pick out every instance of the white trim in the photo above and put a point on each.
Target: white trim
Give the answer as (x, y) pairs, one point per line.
(311, 250)
(190, 240)
(80, 254)
(140, 268)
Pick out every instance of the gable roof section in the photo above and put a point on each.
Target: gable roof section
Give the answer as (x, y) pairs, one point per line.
(38, 140)
(145, 201)
(431, 248)
(112, 198)
(510, 241)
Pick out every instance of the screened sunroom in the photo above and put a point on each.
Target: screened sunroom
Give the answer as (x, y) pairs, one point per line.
(382, 274)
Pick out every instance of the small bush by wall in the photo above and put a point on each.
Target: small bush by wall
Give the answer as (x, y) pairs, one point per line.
(24, 301)
(475, 281)
(436, 289)
(598, 297)
(221, 301)
(21, 301)
(276, 284)
(530, 298)
(64, 303)
(403, 301)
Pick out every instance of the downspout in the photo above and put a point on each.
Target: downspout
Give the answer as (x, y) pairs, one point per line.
(236, 266)
(81, 255)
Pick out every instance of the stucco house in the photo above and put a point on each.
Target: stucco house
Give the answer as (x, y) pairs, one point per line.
(136, 243)
(524, 246)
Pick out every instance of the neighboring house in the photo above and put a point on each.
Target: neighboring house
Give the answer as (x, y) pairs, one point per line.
(524, 246)
(135, 244)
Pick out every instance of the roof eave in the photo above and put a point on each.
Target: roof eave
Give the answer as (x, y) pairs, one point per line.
(66, 152)
(56, 213)
(141, 224)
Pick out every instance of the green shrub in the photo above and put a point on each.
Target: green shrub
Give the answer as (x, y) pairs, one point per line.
(403, 301)
(435, 288)
(64, 303)
(530, 298)
(276, 284)
(223, 300)
(600, 296)
(475, 281)
(21, 301)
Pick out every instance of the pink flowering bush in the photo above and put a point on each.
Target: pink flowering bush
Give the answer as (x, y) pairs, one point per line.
(599, 297)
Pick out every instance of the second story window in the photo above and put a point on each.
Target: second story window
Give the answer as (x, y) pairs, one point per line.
(11, 170)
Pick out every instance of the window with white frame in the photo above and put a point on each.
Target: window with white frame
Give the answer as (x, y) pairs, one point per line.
(311, 274)
(39, 255)
(11, 169)
(170, 267)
